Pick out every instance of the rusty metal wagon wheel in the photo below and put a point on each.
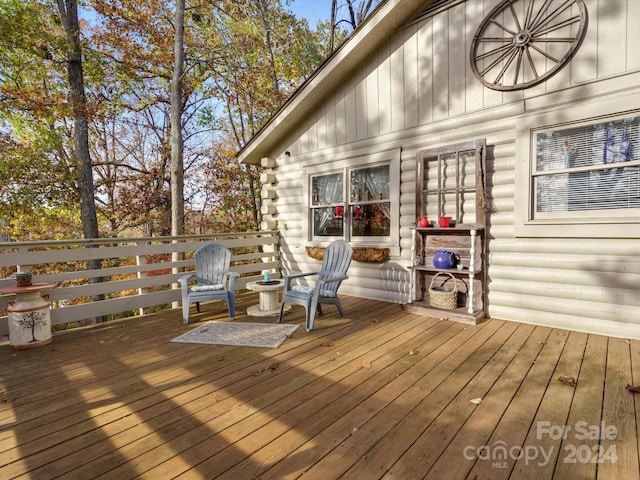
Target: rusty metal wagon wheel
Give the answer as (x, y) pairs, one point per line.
(521, 43)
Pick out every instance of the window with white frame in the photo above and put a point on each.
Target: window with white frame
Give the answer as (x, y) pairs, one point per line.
(578, 171)
(351, 203)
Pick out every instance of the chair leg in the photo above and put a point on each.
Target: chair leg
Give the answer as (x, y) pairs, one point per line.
(311, 314)
(185, 312)
(198, 307)
(310, 319)
(339, 307)
(231, 306)
(281, 312)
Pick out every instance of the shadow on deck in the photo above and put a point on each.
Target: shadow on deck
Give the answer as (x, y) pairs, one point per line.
(379, 394)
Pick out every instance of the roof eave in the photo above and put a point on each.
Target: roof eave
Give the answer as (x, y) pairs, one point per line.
(365, 40)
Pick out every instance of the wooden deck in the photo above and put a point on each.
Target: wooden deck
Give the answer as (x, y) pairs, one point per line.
(379, 394)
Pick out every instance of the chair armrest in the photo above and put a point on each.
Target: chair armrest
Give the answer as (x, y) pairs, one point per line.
(233, 276)
(184, 280)
(288, 278)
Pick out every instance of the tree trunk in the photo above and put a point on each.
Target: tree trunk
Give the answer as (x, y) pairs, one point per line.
(68, 10)
(176, 140)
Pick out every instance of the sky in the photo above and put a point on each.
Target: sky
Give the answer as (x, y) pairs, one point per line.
(312, 10)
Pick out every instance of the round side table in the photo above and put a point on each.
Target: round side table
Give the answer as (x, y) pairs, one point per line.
(28, 316)
(268, 294)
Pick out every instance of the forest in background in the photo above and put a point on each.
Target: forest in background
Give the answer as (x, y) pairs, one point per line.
(242, 60)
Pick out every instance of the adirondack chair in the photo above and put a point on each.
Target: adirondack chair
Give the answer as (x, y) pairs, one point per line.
(212, 274)
(335, 263)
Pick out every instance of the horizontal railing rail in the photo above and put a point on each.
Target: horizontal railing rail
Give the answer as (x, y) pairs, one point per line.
(137, 274)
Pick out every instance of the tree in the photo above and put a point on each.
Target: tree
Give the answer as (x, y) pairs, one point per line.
(38, 190)
(355, 13)
(242, 60)
(68, 11)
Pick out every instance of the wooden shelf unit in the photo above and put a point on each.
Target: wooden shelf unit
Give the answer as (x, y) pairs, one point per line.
(450, 182)
(467, 243)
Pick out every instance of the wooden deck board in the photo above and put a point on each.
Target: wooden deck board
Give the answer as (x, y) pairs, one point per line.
(382, 393)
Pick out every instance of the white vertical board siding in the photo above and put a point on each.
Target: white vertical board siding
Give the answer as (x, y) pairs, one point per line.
(417, 92)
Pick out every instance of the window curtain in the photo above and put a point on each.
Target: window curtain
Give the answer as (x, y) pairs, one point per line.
(329, 190)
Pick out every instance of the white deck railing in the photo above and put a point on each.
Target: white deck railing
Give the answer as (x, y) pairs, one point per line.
(137, 273)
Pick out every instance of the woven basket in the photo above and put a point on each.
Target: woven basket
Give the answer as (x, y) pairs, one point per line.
(443, 297)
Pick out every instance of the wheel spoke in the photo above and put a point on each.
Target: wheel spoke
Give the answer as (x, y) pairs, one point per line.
(540, 14)
(557, 26)
(532, 65)
(498, 60)
(554, 40)
(490, 53)
(542, 52)
(527, 18)
(509, 31)
(506, 66)
(558, 11)
(518, 65)
(515, 17)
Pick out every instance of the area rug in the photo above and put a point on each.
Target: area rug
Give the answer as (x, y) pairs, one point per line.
(239, 334)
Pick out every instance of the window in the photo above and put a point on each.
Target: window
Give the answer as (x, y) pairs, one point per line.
(352, 203)
(450, 182)
(578, 171)
(588, 167)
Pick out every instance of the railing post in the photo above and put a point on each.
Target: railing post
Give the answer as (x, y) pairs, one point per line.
(142, 260)
(176, 256)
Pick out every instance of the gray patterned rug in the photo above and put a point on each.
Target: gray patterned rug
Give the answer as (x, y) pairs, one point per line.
(266, 335)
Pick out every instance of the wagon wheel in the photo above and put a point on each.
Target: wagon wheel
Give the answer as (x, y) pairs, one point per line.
(521, 43)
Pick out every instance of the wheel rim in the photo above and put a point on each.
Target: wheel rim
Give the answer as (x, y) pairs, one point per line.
(521, 43)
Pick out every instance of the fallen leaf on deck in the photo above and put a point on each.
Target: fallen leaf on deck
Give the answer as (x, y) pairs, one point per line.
(633, 389)
(327, 344)
(413, 352)
(476, 401)
(217, 397)
(567, 380)
(365, 364)
(273, 366)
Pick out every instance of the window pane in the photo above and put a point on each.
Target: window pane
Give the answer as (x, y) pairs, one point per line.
(326, 189)
(371, 220)
(328, 221)
(596, 164)
(591, 145)
(369, 184)
(594, 190)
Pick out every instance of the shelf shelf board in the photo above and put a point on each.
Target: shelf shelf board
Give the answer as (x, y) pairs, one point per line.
(455, 271)
(457, 314)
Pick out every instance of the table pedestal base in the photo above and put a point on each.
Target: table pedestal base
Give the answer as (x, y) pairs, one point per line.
(268, 295)
(255, 311)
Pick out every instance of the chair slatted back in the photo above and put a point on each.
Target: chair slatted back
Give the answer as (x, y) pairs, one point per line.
(335, 261)
(213, 262)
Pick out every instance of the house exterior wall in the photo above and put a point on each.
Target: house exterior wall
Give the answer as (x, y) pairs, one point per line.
(417, 92)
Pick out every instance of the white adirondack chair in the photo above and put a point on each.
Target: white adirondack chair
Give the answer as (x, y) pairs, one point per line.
(215, 281)
(335, 263)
